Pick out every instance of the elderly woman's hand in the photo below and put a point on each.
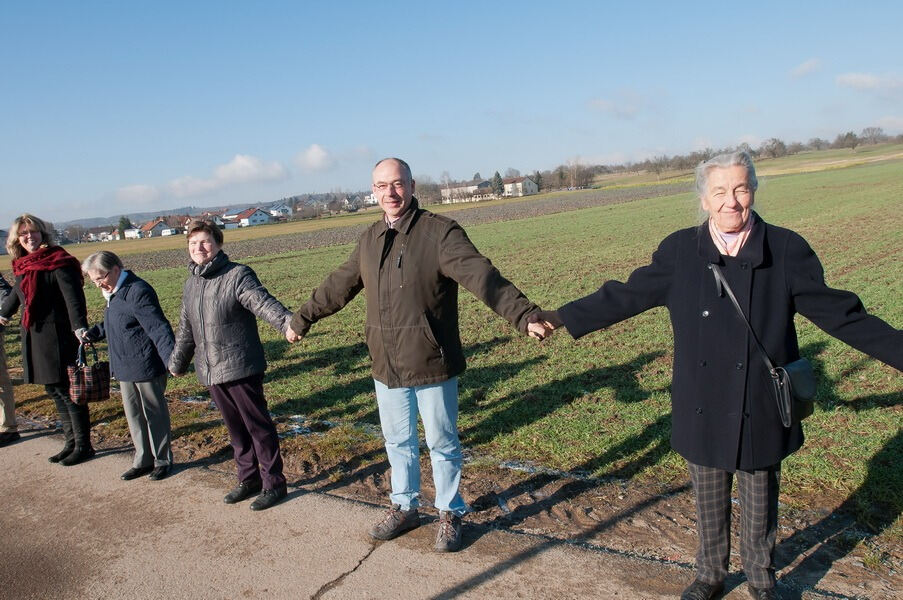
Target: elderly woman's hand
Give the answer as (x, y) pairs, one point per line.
(4, 321)
(291, 336)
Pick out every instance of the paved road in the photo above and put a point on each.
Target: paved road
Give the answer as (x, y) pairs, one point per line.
(82, 533)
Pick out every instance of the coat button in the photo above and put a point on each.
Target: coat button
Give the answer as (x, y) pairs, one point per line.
(744, 265)
(739, 365)
(705, 313)
(698, 411)
(746, 415)
(702, 363)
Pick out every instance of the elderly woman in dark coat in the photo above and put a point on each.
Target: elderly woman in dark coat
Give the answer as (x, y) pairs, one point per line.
(725, 419)
(218, 326)
(140, 341)
(50, 289)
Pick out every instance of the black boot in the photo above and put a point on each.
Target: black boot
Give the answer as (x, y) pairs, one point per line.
(59, 398)
(81, 430)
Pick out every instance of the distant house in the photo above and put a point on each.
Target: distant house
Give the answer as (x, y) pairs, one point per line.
(154, 228)
(281, 209)
(3, 234)
(132, 234)
(230, 223)
(207, 216)
(370, 200)
(468, 191)
(519, 186)
(252, 216)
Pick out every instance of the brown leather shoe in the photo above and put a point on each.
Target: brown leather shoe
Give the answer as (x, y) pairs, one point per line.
(395, 522)
(448, 538)
(762, 593)
(700, 590)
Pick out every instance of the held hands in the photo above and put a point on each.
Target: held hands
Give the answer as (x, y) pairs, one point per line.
(4, 321)
(291, 336)
(540, 325)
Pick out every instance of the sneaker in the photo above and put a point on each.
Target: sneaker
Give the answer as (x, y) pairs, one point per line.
(448, 538)
(269, 498)
(243, 491)
(395, 522)
(8, 437)
(700, 590)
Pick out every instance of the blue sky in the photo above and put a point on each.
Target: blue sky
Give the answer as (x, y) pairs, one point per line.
(114, 107)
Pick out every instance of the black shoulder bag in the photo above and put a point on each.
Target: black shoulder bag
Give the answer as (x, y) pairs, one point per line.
(793, 384)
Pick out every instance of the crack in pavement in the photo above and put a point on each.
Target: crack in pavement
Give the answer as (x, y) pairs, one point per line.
(338, 580)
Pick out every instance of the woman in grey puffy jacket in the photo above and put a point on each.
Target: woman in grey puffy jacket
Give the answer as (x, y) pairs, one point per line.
(218, 327)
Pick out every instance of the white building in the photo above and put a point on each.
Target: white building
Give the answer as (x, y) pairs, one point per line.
(519, 186)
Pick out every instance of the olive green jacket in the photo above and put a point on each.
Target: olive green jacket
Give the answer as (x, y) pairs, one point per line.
(411, 274)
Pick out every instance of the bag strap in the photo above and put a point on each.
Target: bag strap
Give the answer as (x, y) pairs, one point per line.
(721, 283)
(82, 359)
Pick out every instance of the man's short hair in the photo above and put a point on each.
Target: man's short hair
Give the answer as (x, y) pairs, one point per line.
(207, 226)
(731, 159)
(405, 167)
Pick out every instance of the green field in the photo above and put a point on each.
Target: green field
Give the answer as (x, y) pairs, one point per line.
(600, 406)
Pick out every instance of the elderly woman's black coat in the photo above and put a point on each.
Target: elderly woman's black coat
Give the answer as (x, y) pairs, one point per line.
(723, 413)
(49, 344)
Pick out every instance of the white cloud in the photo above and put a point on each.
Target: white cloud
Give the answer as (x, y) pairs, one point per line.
(242, 168)
(805, 68)
(888, 87)
(315, 158)
(891, 124)
(138, 194)
(868, 81)
(626, 105)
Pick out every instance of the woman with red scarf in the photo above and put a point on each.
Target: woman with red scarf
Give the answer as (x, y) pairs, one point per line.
(50, 289)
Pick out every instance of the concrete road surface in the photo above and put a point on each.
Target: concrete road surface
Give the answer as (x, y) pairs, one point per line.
(82, 533)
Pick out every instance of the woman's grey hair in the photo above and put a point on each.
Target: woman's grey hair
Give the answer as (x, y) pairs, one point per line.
(731, 159)
(102, 262)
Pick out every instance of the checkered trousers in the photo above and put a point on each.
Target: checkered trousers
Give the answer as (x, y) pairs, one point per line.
(758, 493)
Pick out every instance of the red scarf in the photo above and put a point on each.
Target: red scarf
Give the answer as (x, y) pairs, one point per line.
(46, 258)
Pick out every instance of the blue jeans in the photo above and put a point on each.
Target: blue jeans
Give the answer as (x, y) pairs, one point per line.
(438, 407)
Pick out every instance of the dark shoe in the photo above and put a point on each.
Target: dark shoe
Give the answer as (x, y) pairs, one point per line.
(8, 437)
(448, 538)
(395, 522)
(269, 498)
(762, 593)
(700, 590)
(79, 455)
(66, 451)
(243, 491)
(135, 472)
(160, 473)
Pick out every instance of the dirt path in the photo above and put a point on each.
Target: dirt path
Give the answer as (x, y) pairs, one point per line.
(81, 532)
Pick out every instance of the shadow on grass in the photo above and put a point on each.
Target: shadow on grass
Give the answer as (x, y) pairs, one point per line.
(868, 508)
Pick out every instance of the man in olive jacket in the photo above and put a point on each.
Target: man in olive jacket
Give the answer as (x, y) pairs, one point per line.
(411, 262)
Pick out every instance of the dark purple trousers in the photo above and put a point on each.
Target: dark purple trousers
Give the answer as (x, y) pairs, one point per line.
(251, 430)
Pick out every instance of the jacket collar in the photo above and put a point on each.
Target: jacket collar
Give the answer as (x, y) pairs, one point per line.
(753, 251)
(209, 269)
(405, 221)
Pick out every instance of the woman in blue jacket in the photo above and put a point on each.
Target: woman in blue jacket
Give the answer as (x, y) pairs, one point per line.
(140, 341)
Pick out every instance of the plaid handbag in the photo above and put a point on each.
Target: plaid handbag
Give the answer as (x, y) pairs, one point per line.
(88, 383)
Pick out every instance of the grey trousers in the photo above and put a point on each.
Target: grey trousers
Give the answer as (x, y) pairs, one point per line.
(147, 413)
(758, 493)
(8, 402)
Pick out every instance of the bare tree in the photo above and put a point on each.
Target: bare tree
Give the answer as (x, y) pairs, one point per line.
(818, 143)
(511, 172)
(872, 135)
(846, 140)
(773, 148)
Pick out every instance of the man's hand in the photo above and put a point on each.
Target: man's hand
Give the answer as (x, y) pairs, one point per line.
(540, 325)
(291, 336)
(4, 321)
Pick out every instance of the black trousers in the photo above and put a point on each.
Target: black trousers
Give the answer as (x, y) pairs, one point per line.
(758, 493)
(74, 418)
(255, 442)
